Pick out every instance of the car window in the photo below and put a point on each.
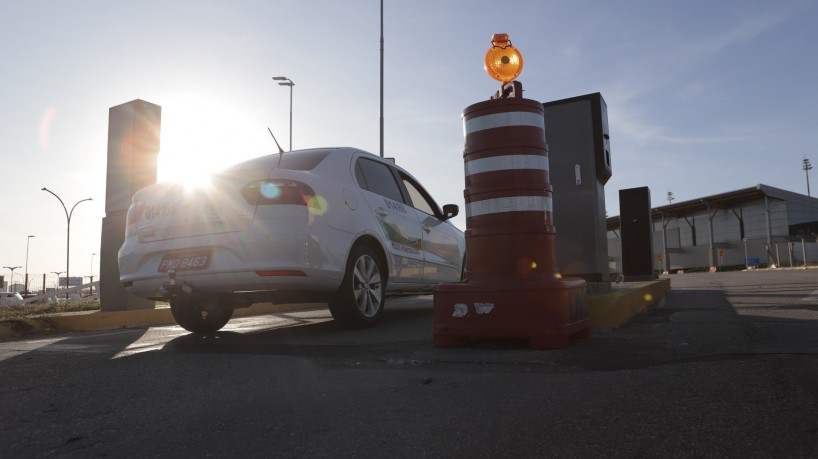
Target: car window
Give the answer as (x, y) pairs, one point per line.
(305, 160)
(377, 178)
(420, 200)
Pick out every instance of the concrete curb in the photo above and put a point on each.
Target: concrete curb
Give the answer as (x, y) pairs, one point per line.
(99, 320)
(614, 309)
(609, 310)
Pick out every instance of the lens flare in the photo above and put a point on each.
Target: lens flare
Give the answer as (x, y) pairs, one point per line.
(317, 205)
(557, 276)
(526, 265)
(45, 126)
(269, 190)
(648, 297)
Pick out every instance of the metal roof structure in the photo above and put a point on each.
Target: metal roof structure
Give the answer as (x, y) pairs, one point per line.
(728, 200)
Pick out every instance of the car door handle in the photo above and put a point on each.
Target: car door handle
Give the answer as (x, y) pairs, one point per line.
(426, 228)
(380, 211)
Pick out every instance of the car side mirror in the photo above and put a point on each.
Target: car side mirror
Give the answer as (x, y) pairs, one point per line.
(450, 211)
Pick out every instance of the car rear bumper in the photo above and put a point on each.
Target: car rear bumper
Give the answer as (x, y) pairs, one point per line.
(256, 259)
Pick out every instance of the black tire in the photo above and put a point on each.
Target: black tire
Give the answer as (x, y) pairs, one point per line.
(359, 301)
(198, 316)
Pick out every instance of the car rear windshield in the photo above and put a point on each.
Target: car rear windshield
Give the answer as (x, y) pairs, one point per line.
(304, 160)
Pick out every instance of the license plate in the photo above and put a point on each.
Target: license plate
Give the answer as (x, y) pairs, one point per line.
(185, 261)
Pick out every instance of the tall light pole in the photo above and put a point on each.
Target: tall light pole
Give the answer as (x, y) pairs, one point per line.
(288, 82)
(11, 278)
(670, 197)
(28, 241)
(381, 78)
(68, 234)
(807, 166)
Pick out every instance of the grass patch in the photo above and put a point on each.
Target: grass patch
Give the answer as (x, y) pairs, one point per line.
(40, 309)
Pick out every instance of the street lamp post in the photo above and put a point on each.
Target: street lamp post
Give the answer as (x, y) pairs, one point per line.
(28, 241)
(92, 273)
(11, 278)
(807, 166)
(288, 82)
(58, 279)
(68, 234)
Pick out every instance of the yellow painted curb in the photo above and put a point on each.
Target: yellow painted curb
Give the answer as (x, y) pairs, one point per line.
(609, 310)
(100, 320)
(612, 310)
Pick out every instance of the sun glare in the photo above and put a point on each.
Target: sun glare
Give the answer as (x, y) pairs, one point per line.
(201, 137)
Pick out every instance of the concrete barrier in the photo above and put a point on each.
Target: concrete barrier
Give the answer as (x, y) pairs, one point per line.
(614, 309)
(100, 320)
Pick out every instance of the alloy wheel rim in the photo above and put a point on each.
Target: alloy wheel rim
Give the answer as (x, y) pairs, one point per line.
(366, 286)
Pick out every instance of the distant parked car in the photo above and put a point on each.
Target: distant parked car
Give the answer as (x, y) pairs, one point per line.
(9, 298)
(335, 224)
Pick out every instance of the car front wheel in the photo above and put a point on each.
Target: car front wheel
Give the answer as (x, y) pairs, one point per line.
(360, 299)
(200, 316)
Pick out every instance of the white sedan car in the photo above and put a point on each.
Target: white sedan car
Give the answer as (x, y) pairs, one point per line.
(336, 224)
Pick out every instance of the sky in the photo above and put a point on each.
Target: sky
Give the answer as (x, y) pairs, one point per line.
(703, 97)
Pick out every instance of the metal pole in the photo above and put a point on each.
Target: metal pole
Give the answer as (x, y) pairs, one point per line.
(769, 228)
(804, 251)
(664, 245)
(381, 78)
(287, 82)
(11, 278)
(58, 280)
(67, 234)
(291, 116)
(28, 241)
(711, 253)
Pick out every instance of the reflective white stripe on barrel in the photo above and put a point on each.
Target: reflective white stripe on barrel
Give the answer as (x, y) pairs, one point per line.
(509, 204)
(505, 163)
(507, 119)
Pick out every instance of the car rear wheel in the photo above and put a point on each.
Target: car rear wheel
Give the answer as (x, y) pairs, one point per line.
(360, 299)
(200, 316)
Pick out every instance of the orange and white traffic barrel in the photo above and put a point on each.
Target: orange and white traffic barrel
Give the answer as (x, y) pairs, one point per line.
(512, 288)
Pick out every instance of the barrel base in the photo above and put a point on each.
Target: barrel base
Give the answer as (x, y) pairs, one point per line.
(544, 314)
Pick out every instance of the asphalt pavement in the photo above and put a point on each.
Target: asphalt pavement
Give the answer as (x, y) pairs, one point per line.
(725, 367)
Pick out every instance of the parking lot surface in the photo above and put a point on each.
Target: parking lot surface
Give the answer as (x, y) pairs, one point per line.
(725, 367)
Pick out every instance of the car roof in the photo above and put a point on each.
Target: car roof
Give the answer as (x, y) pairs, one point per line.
(271, 161)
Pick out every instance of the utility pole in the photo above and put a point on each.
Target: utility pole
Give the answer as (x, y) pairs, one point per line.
(807, 166)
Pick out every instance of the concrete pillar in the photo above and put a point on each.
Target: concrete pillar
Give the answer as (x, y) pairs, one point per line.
(133, 146)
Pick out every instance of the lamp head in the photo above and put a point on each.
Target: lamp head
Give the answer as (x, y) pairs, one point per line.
(503, 61)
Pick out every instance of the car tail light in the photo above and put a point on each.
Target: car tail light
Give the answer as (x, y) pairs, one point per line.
(267, 192)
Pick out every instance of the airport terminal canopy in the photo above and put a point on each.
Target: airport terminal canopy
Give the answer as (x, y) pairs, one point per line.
(803, 224)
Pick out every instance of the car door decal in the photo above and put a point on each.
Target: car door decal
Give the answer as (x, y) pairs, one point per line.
(400, 241)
